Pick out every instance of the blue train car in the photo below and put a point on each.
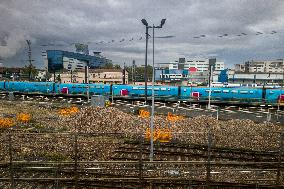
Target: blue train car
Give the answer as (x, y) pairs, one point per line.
(224, 94)
(159, 91)
(17, 86)
(2, 86)
(139, 91)
(100, 89)
(94, 89)
(66, 88)
(117, 90)
(41, 87)
(221, 93)
(273, 95)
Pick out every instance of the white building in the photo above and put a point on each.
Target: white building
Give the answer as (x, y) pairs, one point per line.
(261, 66)
(202, 65)
(258, 78)
(106, 76)
(239, 67)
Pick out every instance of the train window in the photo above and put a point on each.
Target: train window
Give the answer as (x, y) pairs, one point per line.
(135, 88)
(271, 92)
(234, 91)
(207, 91)
(163, 89)
(98, 87)
(243, 92)
(225, 91)
(184, 90)
(169, 89)
(156, 89)
(103, 87)
(217, 91)
(251, 92)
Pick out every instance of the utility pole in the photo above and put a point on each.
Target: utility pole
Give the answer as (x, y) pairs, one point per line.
(210, 89)
(123, 81)
(153, 102)
(86, 74)
(282, 74)
(133, 72)
(88, 84)
(30, 58)
(54, 76)
(212, 62)
(146, 64)
(151, 156)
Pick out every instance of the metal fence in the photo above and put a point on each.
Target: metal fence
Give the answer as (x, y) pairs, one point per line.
(101, 160)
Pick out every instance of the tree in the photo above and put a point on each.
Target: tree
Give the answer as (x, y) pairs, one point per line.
(117, 66)
(47, 76)
(108, 65)
(31, 71)
(58, 78)
(139, 73)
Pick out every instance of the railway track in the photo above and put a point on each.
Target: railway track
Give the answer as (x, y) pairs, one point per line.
(127, 176)
(42, 178)
(132, 150)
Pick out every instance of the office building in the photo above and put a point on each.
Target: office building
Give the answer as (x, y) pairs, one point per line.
(261, 66)
(58, 61)
(105, 76)
(201, 65)
(192, 71)
(256, 78)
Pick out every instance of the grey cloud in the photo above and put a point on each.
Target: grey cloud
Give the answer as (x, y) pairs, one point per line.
(68, 21)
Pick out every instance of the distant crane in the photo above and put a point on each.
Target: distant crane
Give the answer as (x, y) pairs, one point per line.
(30, 58)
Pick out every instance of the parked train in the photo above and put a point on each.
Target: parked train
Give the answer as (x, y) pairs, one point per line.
(273, 96)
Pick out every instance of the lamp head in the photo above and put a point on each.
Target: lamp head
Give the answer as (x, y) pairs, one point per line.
(144, 22)
(163, 21)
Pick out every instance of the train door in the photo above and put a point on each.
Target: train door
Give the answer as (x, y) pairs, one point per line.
(195, 95)
(64, 90)
(281, 100)
(123, 92)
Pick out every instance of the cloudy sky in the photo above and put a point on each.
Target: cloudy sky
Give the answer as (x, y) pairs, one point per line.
(58, 24)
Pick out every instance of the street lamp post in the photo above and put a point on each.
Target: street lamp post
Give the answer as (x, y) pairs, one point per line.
(210, 89)
(88, 83)
(153, 79)
(146, 58)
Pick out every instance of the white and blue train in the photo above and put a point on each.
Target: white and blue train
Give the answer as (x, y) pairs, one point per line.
(273, 96)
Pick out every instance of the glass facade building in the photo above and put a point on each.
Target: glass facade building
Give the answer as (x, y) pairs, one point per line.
(55, 59)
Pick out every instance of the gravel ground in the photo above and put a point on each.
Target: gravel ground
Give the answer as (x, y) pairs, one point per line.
(50, 135)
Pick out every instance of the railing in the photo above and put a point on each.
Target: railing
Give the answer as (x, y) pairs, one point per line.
(77, 159)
